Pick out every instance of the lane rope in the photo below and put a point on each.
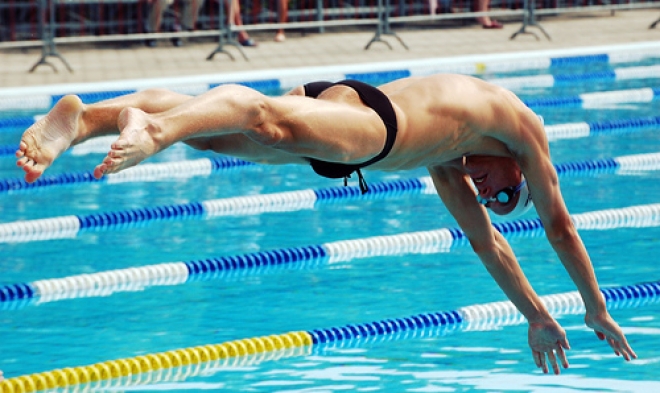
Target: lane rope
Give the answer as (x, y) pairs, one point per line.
(13, 296)
(585, 100)
(101, 145)
(475, 317)
(63, 227)
(35, 98)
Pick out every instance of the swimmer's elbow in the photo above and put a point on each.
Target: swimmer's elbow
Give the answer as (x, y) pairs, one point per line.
(484, 246)
(561, 232)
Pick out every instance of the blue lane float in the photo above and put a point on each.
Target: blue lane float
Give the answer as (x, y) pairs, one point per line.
(588, 100)
(144, 172)
(69, 226)
(643, 95)
(554, 132)
(207, 166)
(519, 83)
(34, 99)
(312, 256)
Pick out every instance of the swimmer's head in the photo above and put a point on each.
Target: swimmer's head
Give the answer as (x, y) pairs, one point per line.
(500, 185)
(513, 202)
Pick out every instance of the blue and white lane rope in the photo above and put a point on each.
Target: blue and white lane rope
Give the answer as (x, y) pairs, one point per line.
(423, 242)
(207, 166)
(69, 226)
(144, 172)
(44, 97)
(250, 351)
(487, 316)
(554, 132)
(596, 100)
(586, 100)
(546, 81)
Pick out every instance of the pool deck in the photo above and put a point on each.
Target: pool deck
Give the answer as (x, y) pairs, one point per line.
(440, 39)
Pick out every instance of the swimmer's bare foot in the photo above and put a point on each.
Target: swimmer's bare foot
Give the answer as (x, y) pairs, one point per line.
(49, 137)
(136, 142)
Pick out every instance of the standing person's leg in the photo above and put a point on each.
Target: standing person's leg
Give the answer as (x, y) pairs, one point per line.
(71, 122)
(155, 18)
(234, 16)
(188, 19)
(433, 7)
(191, 9)
(282, 17)
(485, 21)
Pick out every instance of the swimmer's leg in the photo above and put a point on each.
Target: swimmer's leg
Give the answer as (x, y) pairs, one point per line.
(71, 122)
(223, 111)
(298, 126)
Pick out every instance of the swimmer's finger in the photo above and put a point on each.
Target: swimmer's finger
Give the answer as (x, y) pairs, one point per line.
(562, 356)
(539, 359)
(621, 347)
(627, 350)
(553, 361)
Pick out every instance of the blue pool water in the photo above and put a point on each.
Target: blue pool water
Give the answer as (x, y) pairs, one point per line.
(41, 336)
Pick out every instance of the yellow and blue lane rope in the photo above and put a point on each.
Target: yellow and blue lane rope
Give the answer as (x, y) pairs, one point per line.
(466, 318)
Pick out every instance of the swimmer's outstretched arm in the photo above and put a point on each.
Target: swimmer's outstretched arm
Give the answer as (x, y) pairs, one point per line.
(521, 130)
(71, 122)
(546, 337)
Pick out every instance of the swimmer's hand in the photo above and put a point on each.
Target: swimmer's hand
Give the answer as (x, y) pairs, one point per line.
(548, 339)
(607, 329)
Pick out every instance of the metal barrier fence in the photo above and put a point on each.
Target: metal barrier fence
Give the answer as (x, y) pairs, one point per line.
(48, 23)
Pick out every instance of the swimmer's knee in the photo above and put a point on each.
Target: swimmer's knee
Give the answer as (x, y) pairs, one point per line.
(272, 134)
(155, 92)
(265, 124)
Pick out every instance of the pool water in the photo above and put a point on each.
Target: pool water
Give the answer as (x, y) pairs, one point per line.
(37, 337)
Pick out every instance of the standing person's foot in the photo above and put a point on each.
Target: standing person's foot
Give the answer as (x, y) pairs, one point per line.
(176, 41)
(151, 43)
(247, 42)
(280, 37)
(493, 24)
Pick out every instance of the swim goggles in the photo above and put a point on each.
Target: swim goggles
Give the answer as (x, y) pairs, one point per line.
(503, 196)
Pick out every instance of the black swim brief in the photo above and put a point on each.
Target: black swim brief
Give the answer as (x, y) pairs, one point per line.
(376, 100)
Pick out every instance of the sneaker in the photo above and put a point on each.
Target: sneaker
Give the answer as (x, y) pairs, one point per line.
(176, 41)
(151, 43)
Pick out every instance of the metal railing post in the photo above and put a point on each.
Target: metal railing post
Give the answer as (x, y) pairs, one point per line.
(225, 33)
(383, 26)
(529, 19)
(320, 15)
(47, 34)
